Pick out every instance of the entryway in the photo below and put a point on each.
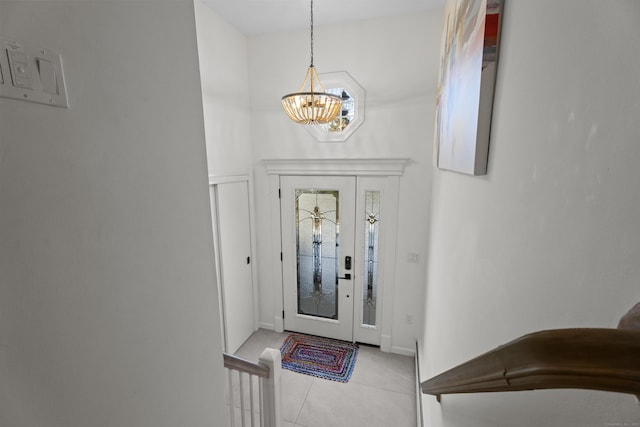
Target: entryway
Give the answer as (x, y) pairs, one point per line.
(381, 391)
(337, 247)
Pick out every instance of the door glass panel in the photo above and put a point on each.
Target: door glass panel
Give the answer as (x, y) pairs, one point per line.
(372, 218)
(317, 233)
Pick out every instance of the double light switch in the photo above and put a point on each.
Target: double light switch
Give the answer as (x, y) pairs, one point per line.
(29, 74)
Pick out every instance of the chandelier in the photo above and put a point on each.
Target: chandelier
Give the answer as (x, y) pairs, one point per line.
(311, 105)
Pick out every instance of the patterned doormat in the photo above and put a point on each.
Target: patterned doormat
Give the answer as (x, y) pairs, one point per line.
(321, 357)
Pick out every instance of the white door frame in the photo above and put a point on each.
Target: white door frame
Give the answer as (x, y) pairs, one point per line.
(392, 169)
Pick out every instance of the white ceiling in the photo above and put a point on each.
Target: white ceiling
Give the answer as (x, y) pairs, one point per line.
(253, 17)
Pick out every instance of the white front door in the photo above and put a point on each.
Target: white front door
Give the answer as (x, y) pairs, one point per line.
(318, 233)
(372, 247)
(333, 257)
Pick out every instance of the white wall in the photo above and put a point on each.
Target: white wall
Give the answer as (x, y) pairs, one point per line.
(550, 238)
(395, 60)
(108, 309)
(224, 72)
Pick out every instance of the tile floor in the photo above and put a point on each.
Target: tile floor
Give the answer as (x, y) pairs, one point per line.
(381, 391)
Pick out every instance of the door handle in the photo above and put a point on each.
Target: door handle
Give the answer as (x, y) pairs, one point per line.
(347, 276)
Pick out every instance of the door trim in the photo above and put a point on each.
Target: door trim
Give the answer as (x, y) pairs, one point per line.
(353, 167)
(392, 168)
(214, 180)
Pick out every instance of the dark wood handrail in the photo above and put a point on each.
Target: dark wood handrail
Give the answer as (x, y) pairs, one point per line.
(232, 361)
(597, 359)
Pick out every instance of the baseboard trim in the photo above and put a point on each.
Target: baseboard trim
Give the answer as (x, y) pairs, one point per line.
(403, 351)
(385, 343)
(419, 412)
(278, 324)
(265, 325)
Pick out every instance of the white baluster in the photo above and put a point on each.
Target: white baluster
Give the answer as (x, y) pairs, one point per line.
(241, 399)
(252, 404)
(232, 417)
(270, 388)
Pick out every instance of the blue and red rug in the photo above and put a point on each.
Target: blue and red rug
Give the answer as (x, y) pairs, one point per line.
(321, 357)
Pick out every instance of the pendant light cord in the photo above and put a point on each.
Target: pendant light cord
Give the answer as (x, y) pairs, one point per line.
(312, 33)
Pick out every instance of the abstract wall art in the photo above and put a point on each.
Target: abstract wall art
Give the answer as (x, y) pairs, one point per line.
(464, 100)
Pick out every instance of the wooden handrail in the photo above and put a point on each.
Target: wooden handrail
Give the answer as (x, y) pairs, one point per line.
(586, 358)
(232, 361)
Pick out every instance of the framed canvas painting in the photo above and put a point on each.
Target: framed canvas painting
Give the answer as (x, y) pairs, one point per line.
(464, 100)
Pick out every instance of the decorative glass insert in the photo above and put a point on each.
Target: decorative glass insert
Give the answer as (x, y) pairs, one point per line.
(317, 246)
(347, 114)
(372, 218)
(352, 114)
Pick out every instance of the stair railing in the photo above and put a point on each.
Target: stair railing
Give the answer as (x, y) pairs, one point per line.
(256, 387)
(596, 359)
(584, 358)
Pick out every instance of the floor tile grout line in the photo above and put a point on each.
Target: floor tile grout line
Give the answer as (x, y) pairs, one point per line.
(408, 393)
(315, 379)
(383, 389)
(304, 400)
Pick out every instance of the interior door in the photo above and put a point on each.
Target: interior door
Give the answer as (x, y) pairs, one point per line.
(233, 238)
(318, 233)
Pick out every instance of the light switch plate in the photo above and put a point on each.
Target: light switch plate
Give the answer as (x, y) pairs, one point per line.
(31, 74)
(19, 66)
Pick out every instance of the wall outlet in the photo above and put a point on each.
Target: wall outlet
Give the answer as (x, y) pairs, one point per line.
(409, 319)
(413, 257)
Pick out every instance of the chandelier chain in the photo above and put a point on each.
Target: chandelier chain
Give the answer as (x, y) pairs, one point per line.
(309, 106)
(312, 33)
